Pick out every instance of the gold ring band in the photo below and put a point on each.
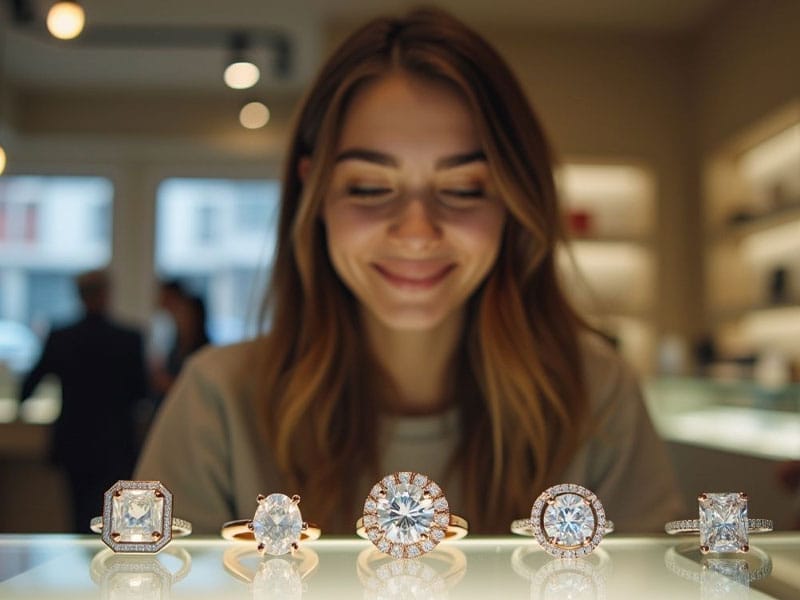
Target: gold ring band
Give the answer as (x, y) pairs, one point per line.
(456, 529)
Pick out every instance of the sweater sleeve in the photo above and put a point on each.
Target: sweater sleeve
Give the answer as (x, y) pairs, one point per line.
(188, 450)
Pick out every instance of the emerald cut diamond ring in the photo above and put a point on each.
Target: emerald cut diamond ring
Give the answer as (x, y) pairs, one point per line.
(723, 524)
(137, 517)
(567, 520)
(406, 515)
(277, 526)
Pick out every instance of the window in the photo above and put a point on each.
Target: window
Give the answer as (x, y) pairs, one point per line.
(217, 237)
(51, 228)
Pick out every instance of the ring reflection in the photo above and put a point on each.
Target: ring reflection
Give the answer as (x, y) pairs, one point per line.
(431, 576)
(575, 578)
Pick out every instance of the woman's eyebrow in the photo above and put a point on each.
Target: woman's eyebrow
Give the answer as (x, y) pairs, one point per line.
(382, 158)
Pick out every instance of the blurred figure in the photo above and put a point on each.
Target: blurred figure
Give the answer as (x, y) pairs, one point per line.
(100, 364)
(188, 314)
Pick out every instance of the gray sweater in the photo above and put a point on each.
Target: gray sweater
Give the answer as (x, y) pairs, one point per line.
(206, 448)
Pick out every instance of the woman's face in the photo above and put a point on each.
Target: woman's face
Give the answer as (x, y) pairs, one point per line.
(412, 216)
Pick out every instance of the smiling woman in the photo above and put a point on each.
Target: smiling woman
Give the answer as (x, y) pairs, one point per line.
(417, 320)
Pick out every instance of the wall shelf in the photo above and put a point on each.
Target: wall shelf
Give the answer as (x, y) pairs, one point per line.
(752, 201)
(609, 267)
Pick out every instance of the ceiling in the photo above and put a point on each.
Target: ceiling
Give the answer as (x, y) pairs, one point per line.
(180, 44)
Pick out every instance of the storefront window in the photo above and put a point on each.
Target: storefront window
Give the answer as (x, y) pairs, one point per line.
(217, 237)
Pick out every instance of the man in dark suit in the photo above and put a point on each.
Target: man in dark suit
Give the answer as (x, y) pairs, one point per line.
(101, 367)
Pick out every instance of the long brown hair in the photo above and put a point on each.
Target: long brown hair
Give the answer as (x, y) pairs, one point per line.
(518, 378)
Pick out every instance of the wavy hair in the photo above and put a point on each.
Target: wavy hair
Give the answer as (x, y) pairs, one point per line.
(517, 375)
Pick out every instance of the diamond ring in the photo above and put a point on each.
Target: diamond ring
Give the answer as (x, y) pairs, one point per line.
(406, 515)
(567, 520)
(723, 524)
(277, 526)
(140, 517)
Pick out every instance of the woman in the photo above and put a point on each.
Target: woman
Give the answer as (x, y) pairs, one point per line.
(417, 319)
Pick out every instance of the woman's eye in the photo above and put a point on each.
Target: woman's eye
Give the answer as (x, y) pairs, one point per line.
(367, 191)
(473, 192)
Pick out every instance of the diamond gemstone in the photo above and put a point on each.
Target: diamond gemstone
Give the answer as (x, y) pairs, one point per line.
(569, 520)
(136, 514)
(723, 522)
(404, 513)
(277, 524)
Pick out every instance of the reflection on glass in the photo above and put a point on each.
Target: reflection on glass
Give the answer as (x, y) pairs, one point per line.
(722, 576)
(551, 579)
(271, 577)
(139, 576)
(430, 576)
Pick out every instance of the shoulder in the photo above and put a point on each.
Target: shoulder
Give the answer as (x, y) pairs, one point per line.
(230, 368)
(609, 378)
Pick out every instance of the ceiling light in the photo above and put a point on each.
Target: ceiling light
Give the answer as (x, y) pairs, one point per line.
(240, 73)
(254, 115)
(65, 19)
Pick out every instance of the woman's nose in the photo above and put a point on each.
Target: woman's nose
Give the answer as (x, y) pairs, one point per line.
(415, 225)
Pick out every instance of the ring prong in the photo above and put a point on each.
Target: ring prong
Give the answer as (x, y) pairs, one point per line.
(260, 498)
(704, 549)
(260, 548)
(158, 494)
(702, 497)
(295, 499)
(744, 547)
(115, 536)
(743, 495)
(156, 535)
(304, 526)
(250, 525)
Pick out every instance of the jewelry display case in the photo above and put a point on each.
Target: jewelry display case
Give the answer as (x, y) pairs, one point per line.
(622, 567)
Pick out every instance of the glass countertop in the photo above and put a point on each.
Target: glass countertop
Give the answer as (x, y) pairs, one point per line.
(63, 566)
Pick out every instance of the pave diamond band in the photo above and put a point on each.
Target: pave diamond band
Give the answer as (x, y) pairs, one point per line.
(277, 526)
(137, 517)
(407, 514)
(723, 524)
(180, 527)
(693, 526)
(568, 521)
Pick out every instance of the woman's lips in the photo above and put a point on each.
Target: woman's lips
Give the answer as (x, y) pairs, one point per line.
(414, 275)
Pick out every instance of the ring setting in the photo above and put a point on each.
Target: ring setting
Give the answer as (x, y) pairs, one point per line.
(277, 526)
(407, 514)
(723, 524)
(568, 521)
(137, 517)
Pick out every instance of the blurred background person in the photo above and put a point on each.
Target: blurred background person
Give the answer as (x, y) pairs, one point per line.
(187, 312)
(101, 368)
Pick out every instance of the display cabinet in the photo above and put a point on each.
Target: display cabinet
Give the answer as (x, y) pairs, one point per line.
(752, 222)
(610, 265)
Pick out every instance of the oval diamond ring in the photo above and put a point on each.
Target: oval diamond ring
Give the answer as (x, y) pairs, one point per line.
(277, 526)
(567, 520)
(406, 515)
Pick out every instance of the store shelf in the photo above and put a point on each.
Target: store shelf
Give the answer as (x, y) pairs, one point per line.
(752, 203)
(609, 267)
